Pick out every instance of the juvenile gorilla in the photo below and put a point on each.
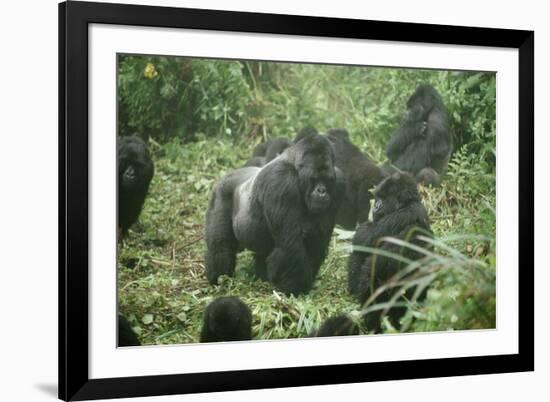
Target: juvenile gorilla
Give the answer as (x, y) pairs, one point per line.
(360, 176)
(398, 213)
(226, 319)
(422, 144)
(126, 335)
(340, 325)
(135, 171)
(267, 151)
(283, 212)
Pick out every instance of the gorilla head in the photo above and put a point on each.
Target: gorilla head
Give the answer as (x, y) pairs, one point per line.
(283, 212)
(394, 193)
(134, 163)
(126, 335)
(135, 171)
(422, 102)
(314, 162)
(339, 325)
(226, 319)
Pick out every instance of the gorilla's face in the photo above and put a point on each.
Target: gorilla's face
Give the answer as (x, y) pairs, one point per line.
(134, 163)
(315, 166)
(421, 102)
(416, 113)
(393, 193)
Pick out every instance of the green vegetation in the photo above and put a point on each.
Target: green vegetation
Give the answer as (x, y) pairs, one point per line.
(204, 117)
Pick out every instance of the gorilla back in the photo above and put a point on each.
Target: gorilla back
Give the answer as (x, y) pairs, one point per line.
(267, 151)
(284, 212)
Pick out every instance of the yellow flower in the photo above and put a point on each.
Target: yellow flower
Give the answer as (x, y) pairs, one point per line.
(150, 71)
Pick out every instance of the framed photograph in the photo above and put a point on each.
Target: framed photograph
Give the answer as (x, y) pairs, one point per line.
(258, 201)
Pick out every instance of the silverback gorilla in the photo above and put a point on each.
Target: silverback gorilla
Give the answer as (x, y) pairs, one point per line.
(267, 151)
(422, 144)
(283, 212)
(360, 176)
(398, 213)
(135, 171)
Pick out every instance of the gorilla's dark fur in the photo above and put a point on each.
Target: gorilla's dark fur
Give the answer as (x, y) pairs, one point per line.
(135, 171)
(267, 151)
(339, 325)
(398, 213)
(423, 139)
(283, 212)
(226, 319)
(428, 177)
(126, 336)
(360, 176)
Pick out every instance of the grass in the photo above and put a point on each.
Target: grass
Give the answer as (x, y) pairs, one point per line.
(162, 286)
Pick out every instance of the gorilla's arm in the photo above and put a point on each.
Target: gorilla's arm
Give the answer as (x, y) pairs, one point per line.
(432, 149)
(439, 140)
(414, 157)
(407, 133)
(288, 266)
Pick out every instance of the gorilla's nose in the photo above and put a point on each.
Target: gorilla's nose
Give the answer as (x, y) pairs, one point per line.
(129, 173)
(321, 191)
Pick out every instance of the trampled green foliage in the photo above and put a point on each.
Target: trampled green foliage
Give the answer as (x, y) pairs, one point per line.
(203, 117)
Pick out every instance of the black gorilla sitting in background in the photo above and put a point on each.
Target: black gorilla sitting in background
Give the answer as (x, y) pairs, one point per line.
(135, 171)
(283, 212)
(398, 213)
(422, 144)
(267, 151)
(126, 335)
(226, 319)
(339, 325)
(360, 176)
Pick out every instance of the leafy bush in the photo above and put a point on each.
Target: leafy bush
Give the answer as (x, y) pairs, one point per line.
(186, 99)
(174, 97)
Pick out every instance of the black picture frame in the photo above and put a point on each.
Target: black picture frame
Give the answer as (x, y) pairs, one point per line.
(74, 18)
